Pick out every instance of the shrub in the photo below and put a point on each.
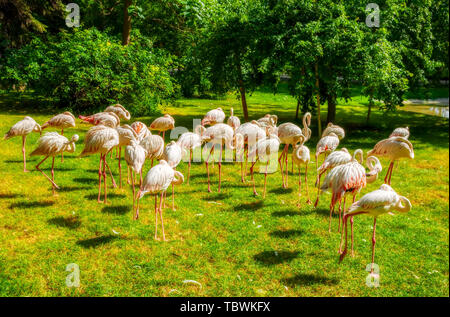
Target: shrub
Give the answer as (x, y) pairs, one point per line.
(86, 70)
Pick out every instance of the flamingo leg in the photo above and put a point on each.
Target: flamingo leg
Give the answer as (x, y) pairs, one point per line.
(246, 160)
(100, 178)
(318, 189)
(104, 178)
(242, 164)
(120, 168)
(265, 179)
(152, 164)
(220, 166)
(128, 175)
(286, 166)
(280, 159)
(189, 165)
(162, 222)
(329, 221)
(24, 138)
(253, 180)
(136, 215)
(51, 181)
(164, 133)
(306, 182)
(53, 175)
(62, 153)
(110, 173)
(390, 173)
(207, 169)
(373, 242)
(351, 223)
(340, 216)
(386, 178)
(134, 191)
(299, 186)
(156, 216)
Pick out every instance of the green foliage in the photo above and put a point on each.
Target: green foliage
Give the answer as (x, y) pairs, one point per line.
(87, 70)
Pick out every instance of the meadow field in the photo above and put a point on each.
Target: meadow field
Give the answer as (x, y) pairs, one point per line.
(232, 243)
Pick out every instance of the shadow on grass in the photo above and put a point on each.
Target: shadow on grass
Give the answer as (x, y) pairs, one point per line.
(118, 210)
(8, 196)
(31, 204)
(215, 196)
(309, 279)
(249, 206)
(95, 242)
(72, 188)
(110, 195)
(286, 213)
(281, 190)
(19, 161)
(70, 222)
(286, 233)
(275, 257)
(85, 180)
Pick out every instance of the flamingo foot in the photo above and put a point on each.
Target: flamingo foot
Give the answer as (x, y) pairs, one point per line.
(309, 202)
(343, 254)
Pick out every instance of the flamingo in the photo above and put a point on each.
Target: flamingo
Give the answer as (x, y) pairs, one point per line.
(252, 133)
(162, 124)
(333, 128)
(378, 202)
(172, 154)
(190, 141)
(154, 145)
(141, 129)
(220, 133)
(336, 158)
(108, 119)
(375, 168)
(326, 144)
(233, 121)
(345, 179)
(120, 111)
(156, 182)
(23, 128)
(213, 116)
(301, 155)
(394, 148)
(61, 121)
(289, 134)
(263, 149)
(52, 144)
(268, 120)
(126, 135)
(101, 139)
(135, 157)
(402, 132)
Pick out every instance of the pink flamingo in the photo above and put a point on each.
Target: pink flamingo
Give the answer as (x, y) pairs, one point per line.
(220, 133)
(402, 132)
(289, 134)
(326, 144)
(301, 155)
(336, 158)
(394, 148)
(333, 128)
(263, 150)
(378, 202)
(156, 182)
(141, 130)
(154, 145)
(268, 120)
(162, 124)
(233, 121)
(213, 116)
(108, 119)
(126, 135)
(101, 139)
(52, 144)
(190, 141)
(252, 133)
(345, 179)
(61, 121)
(135, 157)
(23, 128)
(172, 154)
(120, 111)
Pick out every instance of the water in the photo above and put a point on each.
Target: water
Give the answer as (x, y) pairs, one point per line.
(440, 111)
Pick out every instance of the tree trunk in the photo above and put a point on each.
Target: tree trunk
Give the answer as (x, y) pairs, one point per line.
(126, 23)
(242, 91)
(298, 106)
(319, 123)
(370, 109)
(331, 115)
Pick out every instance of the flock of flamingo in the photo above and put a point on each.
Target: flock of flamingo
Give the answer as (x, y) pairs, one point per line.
(256, 140)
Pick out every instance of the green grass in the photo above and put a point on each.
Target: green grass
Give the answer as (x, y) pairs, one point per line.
(241, 245)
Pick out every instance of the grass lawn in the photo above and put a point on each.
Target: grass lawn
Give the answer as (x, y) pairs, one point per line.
(233, 243)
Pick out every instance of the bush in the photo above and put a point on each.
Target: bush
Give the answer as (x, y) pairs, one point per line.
(86, 70)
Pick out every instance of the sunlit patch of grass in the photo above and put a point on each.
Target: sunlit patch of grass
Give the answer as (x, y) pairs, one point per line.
(233, 243)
